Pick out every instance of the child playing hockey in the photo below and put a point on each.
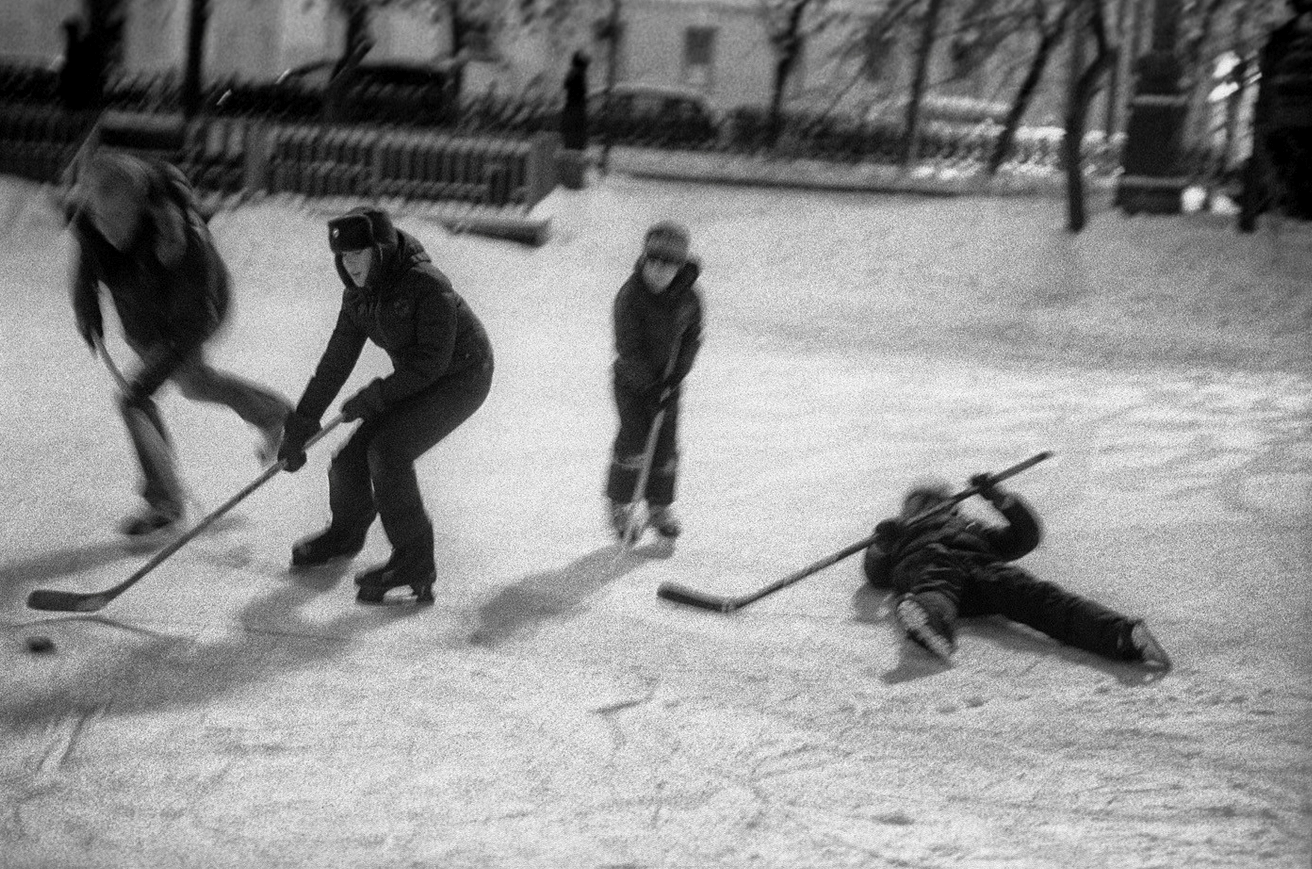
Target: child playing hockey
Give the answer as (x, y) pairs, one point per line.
(398, 299)
(138, 234)
(948, 566)
(658, 331)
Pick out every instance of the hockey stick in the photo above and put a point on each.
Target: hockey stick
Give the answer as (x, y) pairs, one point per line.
(89, 602)
(681, 594)
(632, 530)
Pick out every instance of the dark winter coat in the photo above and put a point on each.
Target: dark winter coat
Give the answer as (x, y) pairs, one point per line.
(954, 540)
(168, 310)
(409, 309)
(648, 325)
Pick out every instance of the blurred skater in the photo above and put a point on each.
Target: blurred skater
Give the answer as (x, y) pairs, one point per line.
(948, 567)
(658, 331)
(139, 234)
(442, 360)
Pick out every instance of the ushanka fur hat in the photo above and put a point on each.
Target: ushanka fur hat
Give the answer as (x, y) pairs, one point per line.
(667, 240)
(359, 229)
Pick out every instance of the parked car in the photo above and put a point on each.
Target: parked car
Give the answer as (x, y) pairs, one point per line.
(644, 114)
(396, 91)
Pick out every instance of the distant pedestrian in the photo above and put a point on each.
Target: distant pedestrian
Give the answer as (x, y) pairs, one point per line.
(948, 567)
(574, 118)
(658, 330)
(140, 235)
(81, 76)
(395, 297)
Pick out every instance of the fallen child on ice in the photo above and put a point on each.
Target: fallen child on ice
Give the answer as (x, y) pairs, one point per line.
(947, 567)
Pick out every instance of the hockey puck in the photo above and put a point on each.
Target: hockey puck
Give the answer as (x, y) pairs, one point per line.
(40, 645)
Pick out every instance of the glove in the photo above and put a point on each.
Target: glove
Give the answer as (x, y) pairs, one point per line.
(91, 330)
(295, 432)
(887, 533)
(986, 486)
(364, 404)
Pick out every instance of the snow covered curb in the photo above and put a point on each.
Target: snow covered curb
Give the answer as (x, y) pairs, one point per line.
(925, 179)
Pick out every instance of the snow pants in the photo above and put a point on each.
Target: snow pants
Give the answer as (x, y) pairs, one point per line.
(952, 590)
(373, 474)
(197, 380)
(636, 415)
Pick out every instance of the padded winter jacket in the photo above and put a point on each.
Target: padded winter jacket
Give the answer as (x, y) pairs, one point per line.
(410, 310)
(648, 325)
(953, 540)
(167, 309)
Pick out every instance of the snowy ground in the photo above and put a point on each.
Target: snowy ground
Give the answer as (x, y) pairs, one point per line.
(550, 710)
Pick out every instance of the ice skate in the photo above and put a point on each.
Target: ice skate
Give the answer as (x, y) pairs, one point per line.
(150, 527)
(266, 448)
(1145, 649)
(623, 522)
(328, 545)
(661, 518)
(923, 628)
(377, 581)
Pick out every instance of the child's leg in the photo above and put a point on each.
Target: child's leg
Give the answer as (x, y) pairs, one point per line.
(1067, 617)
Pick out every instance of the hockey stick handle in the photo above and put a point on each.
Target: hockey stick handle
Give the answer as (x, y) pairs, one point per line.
(679, 594)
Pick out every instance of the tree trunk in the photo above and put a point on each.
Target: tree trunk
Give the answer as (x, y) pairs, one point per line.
(911, 125)
(191, 79)
(787, 44)
(1084, 85)
(1049, 38)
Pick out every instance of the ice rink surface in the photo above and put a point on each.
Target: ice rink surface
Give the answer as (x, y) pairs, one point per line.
(549, 710)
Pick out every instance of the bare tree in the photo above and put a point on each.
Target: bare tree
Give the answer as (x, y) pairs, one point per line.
(784, 30)
(1090, 17)
(924, 51)
(1050, 34)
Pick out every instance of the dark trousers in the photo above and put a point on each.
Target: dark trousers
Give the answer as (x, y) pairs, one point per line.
(953, 591)
(636, 417)
(197, 380)
(373, 474)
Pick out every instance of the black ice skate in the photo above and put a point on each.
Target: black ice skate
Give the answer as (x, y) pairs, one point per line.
(329, 545)
(149, 527)
(922, 627)
(375, 583)
(1144, 649)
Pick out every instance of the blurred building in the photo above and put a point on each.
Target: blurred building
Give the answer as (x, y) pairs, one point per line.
(719, 48)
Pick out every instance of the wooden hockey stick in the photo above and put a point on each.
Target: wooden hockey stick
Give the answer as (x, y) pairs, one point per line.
(676, 593)
(89, 602)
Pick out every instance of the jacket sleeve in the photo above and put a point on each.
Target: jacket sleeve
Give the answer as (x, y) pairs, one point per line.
(418, 366)
(336, 364)
(1021, 534)
(690, 341)
(633, 371)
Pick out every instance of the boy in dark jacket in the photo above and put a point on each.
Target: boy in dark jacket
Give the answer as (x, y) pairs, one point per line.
(947, 566)
(442, 363)
(139, 234)
(658, 331)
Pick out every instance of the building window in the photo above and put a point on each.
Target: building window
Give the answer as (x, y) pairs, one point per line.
(698, 56)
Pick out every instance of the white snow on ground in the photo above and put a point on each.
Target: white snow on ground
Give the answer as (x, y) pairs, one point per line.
(549, 710)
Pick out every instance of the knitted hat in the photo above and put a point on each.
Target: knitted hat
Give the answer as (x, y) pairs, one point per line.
(667, 240)
(925, 495)
(359, 229)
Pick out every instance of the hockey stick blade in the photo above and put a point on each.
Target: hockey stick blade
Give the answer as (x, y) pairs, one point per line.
(675, 593)
(68, 601)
